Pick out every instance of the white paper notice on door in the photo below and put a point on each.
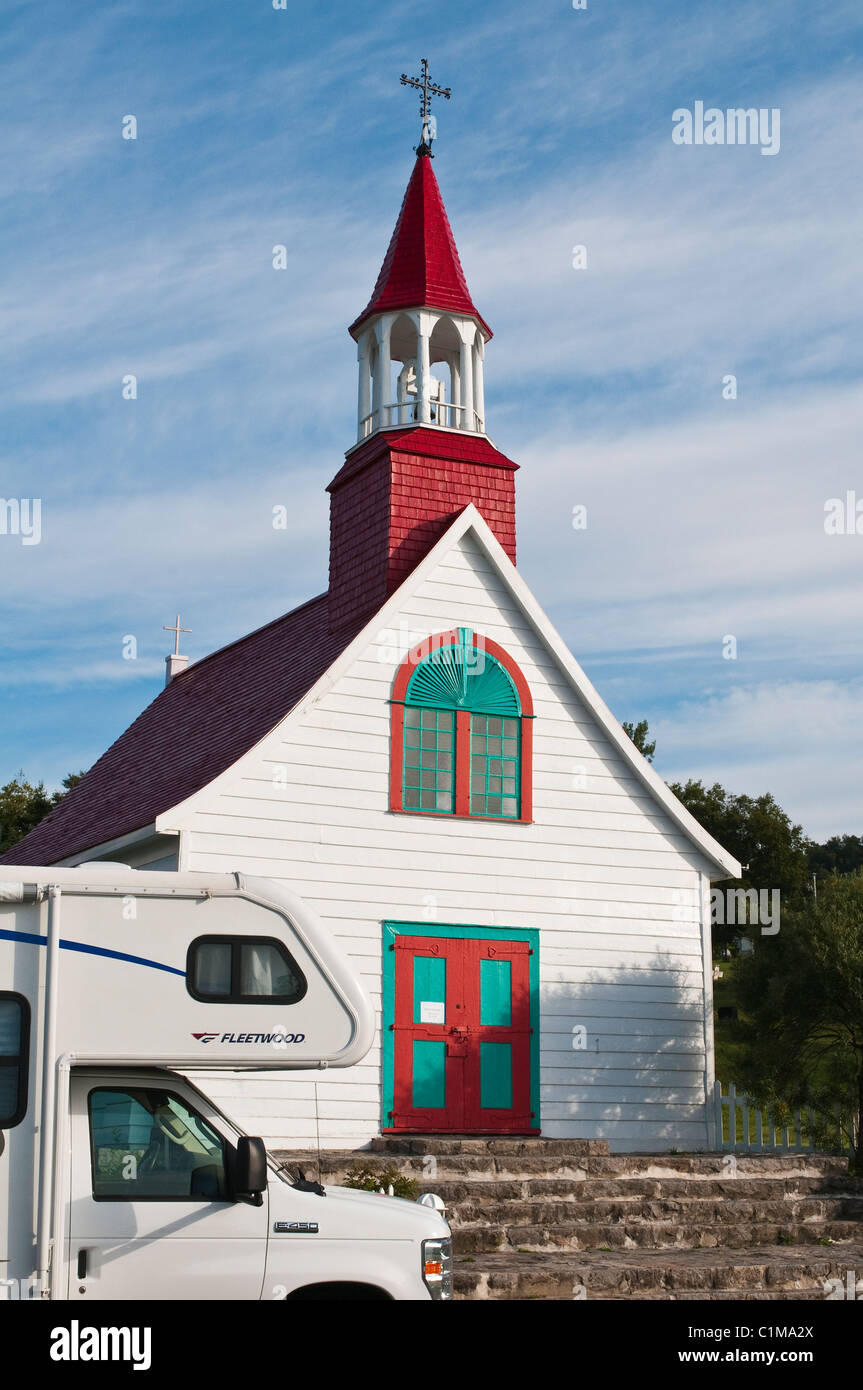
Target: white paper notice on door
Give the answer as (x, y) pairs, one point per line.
(431, 1012)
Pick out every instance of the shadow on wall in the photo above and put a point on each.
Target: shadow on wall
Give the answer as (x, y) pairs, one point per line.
(623, 1053)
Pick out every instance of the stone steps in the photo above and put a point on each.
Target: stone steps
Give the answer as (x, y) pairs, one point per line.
(772, 1273)
(438, 1144)
(484, 1164)
(457, 1191)
(577, 1205)
(647, 1235)
(533, 1218)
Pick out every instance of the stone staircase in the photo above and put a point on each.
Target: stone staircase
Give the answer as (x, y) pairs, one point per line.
(564, 1219)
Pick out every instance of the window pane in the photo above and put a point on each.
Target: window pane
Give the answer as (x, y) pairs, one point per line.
(494, 767)
(212, 973)
(10, 1030)
(233, 968)
(148, 1143)
(8, 1093)
(265, 971)
(429, 766)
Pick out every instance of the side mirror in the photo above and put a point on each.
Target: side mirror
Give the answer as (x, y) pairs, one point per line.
(250, 1168)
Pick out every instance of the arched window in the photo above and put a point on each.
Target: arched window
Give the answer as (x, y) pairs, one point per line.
(462, 727)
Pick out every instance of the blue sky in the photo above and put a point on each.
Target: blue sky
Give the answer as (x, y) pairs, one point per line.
(258, 127)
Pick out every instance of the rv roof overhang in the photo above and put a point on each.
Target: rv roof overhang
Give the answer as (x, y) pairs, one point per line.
(34, 883)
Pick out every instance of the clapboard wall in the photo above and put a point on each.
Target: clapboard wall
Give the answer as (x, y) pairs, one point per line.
(616, 890)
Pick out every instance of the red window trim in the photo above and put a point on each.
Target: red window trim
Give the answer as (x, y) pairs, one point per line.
(413, 659)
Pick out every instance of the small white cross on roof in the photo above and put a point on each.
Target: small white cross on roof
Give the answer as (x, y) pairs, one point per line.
(176, 629)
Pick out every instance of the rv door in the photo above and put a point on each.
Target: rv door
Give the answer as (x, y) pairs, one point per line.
(152, 1214)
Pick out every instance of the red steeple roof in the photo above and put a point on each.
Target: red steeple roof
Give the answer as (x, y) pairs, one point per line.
(421, 267)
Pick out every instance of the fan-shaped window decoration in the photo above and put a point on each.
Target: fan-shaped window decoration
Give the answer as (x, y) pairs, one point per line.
(462, 717)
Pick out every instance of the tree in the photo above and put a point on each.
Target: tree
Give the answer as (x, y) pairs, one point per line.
(841, 853)
(23, 804)
(802, 993)
(638, 734)
(773, 851)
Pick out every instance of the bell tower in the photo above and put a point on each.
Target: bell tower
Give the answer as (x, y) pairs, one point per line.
(422, 451)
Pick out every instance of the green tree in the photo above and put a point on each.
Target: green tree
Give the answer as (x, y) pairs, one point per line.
(802, 993)
(638, 734)
(841, 853)
(773, 851)
(23, 804)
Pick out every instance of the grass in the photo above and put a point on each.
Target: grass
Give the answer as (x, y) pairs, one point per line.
(728, 1041)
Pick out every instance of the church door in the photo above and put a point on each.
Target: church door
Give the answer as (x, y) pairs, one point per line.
(462, 1035)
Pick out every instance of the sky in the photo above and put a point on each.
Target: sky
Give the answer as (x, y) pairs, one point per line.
(607, 378)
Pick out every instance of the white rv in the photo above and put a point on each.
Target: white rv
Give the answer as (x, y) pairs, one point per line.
(118, 1177)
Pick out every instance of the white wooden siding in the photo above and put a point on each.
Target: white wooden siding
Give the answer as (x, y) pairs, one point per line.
(614, 887)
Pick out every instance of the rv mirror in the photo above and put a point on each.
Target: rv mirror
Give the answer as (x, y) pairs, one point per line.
(250, 1167)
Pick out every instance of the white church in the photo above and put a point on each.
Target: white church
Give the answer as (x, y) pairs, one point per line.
(417, 753)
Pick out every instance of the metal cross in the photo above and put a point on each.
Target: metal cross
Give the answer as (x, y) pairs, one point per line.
(176, 630)
(428, 89)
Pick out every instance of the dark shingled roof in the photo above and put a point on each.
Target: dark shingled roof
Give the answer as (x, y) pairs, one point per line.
(207, 718)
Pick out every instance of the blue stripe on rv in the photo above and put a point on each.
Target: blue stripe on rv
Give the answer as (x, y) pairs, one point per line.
(90, 950)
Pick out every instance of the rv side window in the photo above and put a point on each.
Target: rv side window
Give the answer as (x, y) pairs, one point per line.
(148, 1145)
(242, 970)
(14, 1056)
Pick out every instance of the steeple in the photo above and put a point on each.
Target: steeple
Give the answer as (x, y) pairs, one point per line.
(422, 452)
(420, 318)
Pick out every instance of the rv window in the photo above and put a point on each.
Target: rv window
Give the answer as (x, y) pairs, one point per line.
(148, 1145)
(242, 970)
(14, 1056)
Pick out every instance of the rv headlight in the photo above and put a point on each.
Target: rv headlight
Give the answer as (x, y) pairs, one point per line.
(437, 1267)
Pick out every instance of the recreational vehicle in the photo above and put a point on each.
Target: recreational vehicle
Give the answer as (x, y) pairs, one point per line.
(119, 1178)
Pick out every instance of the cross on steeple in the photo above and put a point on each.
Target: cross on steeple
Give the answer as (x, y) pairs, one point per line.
(176, 629)
(428, 89)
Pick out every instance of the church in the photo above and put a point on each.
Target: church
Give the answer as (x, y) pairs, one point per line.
(419, 756)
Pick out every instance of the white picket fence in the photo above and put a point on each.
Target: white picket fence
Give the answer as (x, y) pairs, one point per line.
(740, 1125)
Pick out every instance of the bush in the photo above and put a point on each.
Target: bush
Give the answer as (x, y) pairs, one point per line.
(370, 1177)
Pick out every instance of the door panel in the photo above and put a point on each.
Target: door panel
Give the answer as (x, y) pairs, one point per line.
(462, 1035)
(428, 989)
(175, 1236)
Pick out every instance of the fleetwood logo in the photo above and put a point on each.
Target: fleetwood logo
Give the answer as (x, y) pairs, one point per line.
(280, 1038)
